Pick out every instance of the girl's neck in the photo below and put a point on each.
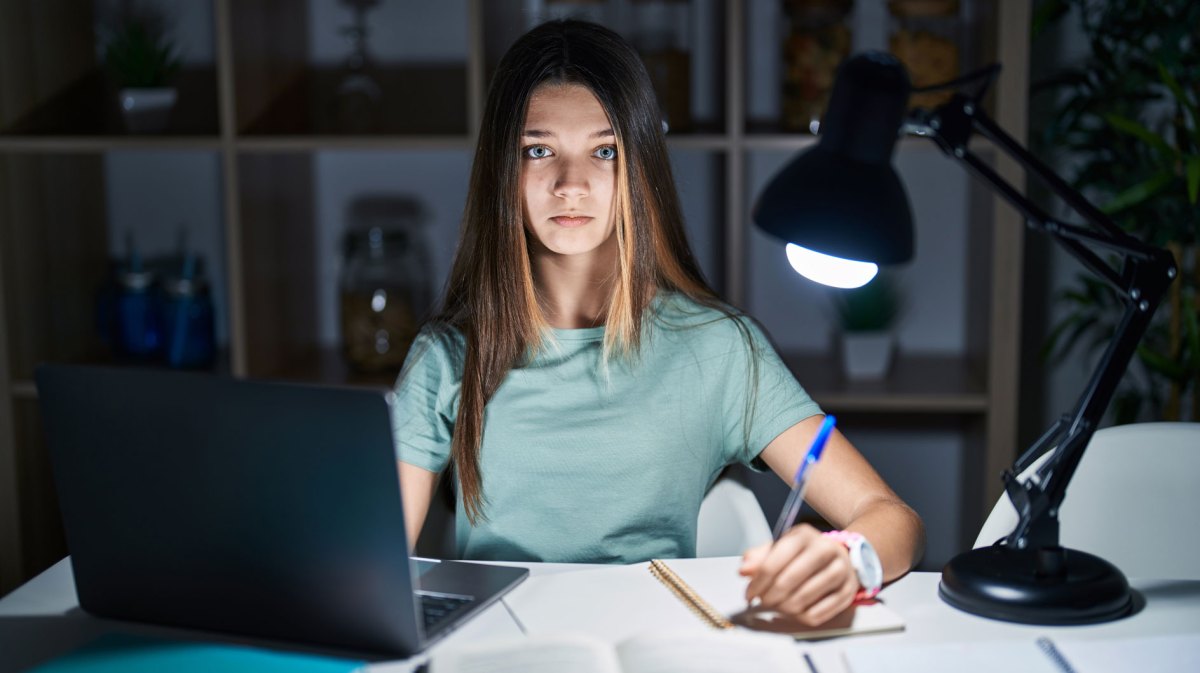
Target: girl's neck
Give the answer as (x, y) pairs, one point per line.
(574, 290)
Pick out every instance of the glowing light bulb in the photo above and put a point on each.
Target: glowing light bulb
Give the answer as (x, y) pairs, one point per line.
(829, 270)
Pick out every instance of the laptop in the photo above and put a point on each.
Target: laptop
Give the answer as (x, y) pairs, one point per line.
(263, 509)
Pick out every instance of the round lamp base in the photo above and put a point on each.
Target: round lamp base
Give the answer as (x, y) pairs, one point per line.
(1036, 586)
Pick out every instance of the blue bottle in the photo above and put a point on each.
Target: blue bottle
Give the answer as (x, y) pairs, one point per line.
(138, 328)
(187, 312)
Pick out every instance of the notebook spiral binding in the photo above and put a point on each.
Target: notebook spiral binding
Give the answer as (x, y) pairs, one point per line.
(1057, 657)
(695, 603)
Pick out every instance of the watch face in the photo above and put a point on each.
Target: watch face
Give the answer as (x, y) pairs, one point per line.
(867, 562)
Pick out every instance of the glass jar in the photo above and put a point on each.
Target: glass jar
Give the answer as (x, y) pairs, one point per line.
(385, 284)
(659, 32)
(925, 36)
(818, 39)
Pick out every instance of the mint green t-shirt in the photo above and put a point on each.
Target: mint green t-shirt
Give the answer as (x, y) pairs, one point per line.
(580, 464)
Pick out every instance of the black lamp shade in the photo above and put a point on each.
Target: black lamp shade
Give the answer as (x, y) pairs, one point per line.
(842, 197)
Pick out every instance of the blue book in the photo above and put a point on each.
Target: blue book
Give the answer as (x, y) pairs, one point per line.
(122, 653)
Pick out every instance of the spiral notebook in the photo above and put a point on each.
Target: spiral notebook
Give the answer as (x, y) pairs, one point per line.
(615, 603)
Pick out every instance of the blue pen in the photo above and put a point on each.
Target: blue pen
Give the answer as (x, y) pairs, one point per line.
(791, 508)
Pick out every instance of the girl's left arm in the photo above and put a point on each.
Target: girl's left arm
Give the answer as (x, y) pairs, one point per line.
(807, 575)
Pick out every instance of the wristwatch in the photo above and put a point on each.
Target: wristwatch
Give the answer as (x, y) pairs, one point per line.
(864, 560)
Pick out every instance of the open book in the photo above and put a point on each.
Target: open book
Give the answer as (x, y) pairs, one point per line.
(713, 652)
(697, 595)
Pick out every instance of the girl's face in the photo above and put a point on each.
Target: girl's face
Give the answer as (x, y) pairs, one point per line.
(568, 171)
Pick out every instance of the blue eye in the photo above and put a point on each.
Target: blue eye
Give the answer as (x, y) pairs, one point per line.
(608, 153)
(537, 152)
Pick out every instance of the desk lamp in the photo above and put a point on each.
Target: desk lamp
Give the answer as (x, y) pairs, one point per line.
(841, 203)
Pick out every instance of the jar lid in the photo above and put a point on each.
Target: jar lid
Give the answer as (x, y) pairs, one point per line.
(388, 211)
(382, 222)
(377, 239)
(184, 287)
(135, 280)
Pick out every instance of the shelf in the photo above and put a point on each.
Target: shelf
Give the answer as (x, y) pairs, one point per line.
(699, 141)
(791, 142)
(271, 203)
(917, 383)
(380, 143)
(403, 143)
(100, 144)
(88, 110)
(26, 389)
(326, 366)
(428, 100)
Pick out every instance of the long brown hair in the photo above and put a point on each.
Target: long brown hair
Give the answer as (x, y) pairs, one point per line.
(490, 295)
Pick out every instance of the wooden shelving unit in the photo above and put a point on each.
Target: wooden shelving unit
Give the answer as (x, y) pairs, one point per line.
(265, 111)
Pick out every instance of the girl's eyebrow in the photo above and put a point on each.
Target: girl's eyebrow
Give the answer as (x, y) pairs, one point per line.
(539, 133)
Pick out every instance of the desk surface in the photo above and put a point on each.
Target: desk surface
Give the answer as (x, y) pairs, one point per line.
(42, 619)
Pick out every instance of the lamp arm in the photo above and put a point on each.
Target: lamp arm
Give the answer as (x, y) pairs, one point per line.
(1141, 283)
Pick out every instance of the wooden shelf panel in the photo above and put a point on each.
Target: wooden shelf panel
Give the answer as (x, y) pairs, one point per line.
(88, 108)
(59, 144)
(26, 389)
(916, 383)
(376, 143)
(429, 100)
(326, 366)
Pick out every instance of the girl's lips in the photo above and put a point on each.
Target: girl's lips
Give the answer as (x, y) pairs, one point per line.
(563, 221)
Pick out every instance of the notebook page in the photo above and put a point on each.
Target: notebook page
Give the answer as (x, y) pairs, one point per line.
(714, 652)
(611, 604)
(541, 654)
(1146, 654)
(976, 657)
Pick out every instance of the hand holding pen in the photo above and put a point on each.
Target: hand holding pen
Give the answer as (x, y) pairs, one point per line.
(802, 573)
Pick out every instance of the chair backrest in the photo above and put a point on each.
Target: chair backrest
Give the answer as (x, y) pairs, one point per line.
(1133, 501)
(730, 522)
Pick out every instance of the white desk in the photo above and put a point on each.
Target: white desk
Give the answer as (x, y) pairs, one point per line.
(42, 619)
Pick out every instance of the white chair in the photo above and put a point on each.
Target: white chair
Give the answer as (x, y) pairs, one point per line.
(730, 522)
(1133, 501)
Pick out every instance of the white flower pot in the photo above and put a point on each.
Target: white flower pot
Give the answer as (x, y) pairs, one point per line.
(147, 110)
(867, 355)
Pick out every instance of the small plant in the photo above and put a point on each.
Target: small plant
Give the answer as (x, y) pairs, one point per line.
(870, 308)
(138, 51)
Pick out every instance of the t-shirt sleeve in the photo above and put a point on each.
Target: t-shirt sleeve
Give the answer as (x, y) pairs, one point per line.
(426, 400)
(762, 398)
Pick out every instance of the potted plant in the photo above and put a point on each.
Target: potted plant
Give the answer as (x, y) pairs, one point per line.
(1128, 124)
(144, 62)
(866, 316)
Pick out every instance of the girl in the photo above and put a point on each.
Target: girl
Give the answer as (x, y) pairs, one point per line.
(582, 378)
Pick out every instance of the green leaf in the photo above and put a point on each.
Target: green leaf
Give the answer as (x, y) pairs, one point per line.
(1046, 13)
(1162, 364)
(1078, 325)
(1133, 128)
(1138, 193)
(1193, 178)
(871, 307)
(1173, 84)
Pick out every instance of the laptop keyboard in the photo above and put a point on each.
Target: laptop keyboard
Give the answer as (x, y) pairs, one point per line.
(436, 608)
